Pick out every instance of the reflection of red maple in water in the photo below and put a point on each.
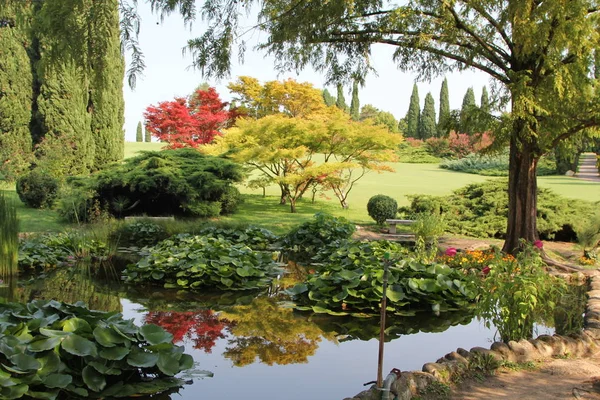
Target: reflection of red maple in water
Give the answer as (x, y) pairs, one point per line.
(202, 327)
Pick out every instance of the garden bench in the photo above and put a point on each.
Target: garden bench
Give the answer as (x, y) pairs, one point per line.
(393, 222)
(140, 217)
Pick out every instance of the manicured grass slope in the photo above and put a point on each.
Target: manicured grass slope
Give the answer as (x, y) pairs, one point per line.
(407, 179)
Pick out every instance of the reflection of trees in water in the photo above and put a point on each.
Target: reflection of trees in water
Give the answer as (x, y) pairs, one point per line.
(69, 286)
(271, 334)
(568, 314)
(351, 328)
(202, 327)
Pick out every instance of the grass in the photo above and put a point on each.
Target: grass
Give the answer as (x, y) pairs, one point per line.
(407, 179)
(131, 148)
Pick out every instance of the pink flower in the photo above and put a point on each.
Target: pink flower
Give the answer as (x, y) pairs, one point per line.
(485, 271)
(450, 251)
(539, 244)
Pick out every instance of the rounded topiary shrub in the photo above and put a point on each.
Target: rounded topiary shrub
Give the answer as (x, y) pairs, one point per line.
(37, 190)
(382, 207)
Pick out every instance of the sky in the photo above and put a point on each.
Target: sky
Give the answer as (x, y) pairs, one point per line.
(169, 74)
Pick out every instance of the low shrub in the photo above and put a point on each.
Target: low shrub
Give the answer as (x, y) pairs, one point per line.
(199, 262)
(302, 242)
(492, 165)
(139, 233)
(415, 154)
(381, 207)
(481, 210)
(37, 189)
(53, 350)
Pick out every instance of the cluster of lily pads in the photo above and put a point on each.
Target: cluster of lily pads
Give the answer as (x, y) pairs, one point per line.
(51, 350)
(194, 261)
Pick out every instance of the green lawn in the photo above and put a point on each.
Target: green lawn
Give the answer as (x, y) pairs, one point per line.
(131, 148)
(407, 179)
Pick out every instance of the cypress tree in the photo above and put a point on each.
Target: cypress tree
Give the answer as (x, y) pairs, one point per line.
(468, 105)
(139, 136)
(341, 100)
(16, 82)
(147, 135)
(413, 114)
(355, 103)
(67, 145)
(485, 101)
(444, 115)
(328, 98)
(107, 104)
(427, 125)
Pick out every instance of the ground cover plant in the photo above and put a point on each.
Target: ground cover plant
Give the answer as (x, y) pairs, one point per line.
(480, 210)
(492, 165)
(194, 262)
(52, 350)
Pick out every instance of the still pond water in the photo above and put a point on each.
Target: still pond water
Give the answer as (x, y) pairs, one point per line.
(258, 349)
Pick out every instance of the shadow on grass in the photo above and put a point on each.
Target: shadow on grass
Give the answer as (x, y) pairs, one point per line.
(267, 212)
(33, 220)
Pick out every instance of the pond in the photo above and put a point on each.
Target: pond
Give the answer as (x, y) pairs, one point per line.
(256, 347)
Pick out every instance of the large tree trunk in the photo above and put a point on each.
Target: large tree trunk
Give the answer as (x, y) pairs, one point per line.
(284, 194)
(522, 196)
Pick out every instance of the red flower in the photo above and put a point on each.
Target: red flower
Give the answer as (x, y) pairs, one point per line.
(485, 270)
(539, 244)
(450, 251)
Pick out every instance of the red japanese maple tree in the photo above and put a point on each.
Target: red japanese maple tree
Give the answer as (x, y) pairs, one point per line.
(189, 122)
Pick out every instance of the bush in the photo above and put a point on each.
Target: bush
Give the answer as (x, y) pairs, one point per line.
(481, 210)
(180, 182)
(304, 241)
(413, 151)
(37, 189)
(55, 350)
(493, 165)
(381, 207)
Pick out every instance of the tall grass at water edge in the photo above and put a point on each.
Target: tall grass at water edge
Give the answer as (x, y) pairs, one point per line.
(9, 238)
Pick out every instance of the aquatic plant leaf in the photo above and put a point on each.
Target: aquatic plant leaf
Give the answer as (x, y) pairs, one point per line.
(44, 344)
(154, 334)
(57, 380)
(142, 359)
(93, 379)
(114, 353)
(25, 362)
(79, 346)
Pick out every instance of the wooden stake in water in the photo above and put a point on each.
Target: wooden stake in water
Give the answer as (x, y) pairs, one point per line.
(382, 321)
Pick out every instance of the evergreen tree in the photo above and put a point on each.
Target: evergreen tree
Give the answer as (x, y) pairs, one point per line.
(328, 98)
(443, 121)
(107, 103)
(355, 103)
(485, 100)
(139, 135)
(147, 135)
(468, 106)
(16, 82)
(413, 114)
(427, 125)
(341, 100)
(67, 146)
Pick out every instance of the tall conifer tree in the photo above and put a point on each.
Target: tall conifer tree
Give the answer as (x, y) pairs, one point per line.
(108, 104)
(16, 81)
(328, 98)
(485, 100)
(413, 114)
(444, 115)
(147, 135)
(341, 100)
(355, 103)
(427, 125)
(139, 135)
(468, 105)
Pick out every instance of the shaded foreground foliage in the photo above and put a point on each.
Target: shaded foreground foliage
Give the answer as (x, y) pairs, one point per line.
(52, 350)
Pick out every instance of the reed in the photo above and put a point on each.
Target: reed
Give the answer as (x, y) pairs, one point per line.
(9, 238)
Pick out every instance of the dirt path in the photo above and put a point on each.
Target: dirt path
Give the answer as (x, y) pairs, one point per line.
(554, 379)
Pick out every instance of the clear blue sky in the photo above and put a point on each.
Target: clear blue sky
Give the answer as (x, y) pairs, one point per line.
(168, 74)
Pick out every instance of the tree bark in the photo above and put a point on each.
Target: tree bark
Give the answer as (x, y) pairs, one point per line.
(292, 205)
(522, 195)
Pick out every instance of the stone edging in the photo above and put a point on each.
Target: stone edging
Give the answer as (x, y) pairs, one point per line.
(443, 370)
